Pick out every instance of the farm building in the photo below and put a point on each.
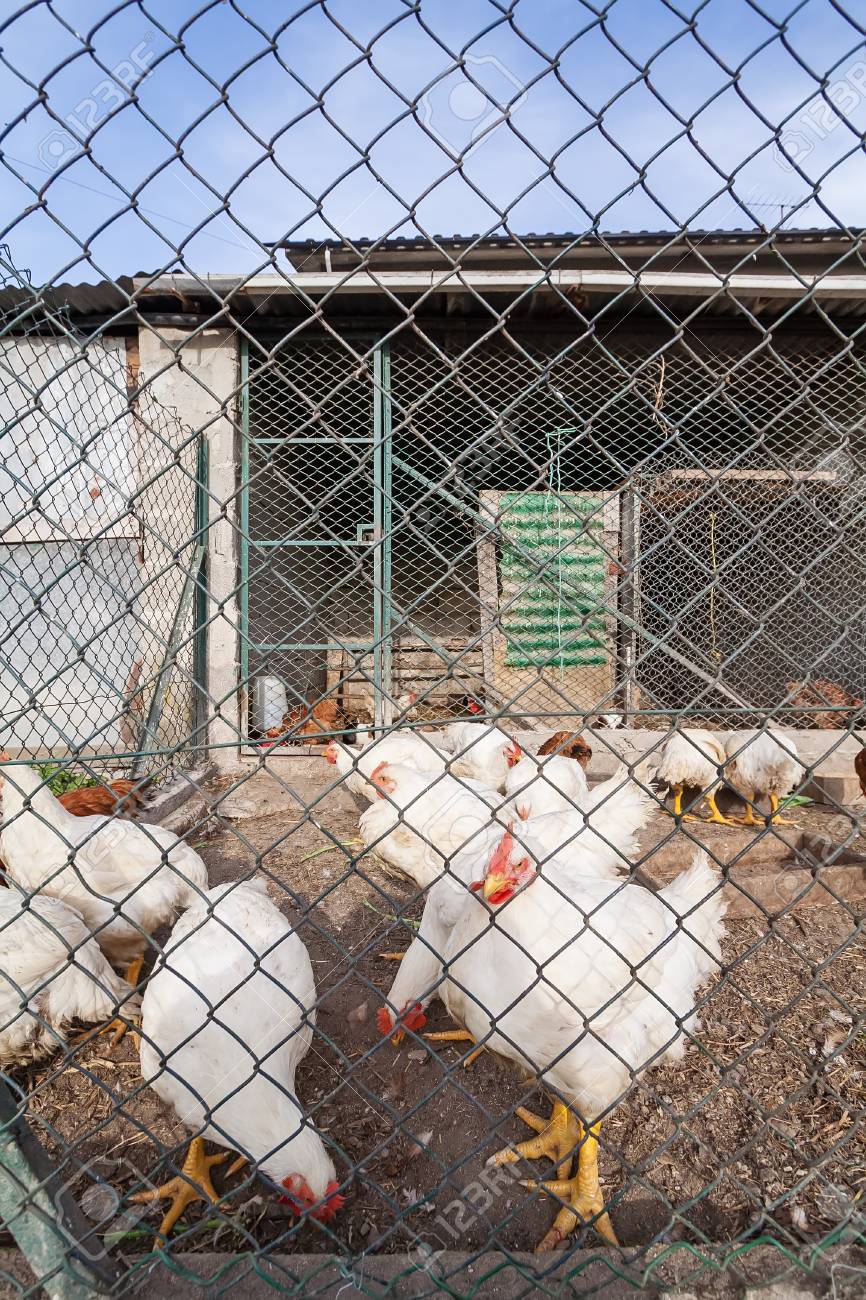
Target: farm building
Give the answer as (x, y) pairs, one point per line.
(568, 476)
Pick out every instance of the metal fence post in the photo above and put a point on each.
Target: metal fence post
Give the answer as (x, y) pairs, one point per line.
(42, 1216)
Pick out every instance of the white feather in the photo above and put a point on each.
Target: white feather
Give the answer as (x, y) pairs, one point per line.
(413, 750)
(585, 1004)
(763, 763)
(598, 838)
(51, 973)
(480, 752)
(427, 819)
(124, 877)
(544, 785)
(692, 757)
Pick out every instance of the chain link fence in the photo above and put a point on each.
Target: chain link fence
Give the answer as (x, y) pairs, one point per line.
(496, 603)
(101, 544)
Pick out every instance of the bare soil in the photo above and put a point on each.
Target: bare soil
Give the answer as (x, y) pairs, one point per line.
(758, 1130)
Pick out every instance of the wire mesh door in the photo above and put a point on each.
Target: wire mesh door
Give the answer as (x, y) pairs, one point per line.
(315, 538)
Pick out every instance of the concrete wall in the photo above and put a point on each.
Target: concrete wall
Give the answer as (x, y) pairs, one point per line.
(198, 378)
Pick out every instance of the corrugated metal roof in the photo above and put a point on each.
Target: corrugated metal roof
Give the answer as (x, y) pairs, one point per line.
(728, 267)
(103, 298)
(568, 237)
(813, 250)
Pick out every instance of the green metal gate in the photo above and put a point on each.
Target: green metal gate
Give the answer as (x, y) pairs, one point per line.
(315, 519)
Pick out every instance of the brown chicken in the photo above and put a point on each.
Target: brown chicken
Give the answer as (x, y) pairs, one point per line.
(824, 701)
(103, 800)
(860, 769)
(307, 723)
(570, 744)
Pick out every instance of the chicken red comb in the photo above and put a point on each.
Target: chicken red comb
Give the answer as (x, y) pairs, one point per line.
(410, 1018)
(474, 707)
(385, 1021)
(379, 781)
(331, 1205)
(500, 863)
(331, 751)
(302, 1199)
(414, 1018)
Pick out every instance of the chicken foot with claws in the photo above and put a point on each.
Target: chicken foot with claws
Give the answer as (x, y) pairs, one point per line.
(116, 1027)
(557, 1139)
(192, 1184)
(582, 1195)
(715, 817)
(775, 819)
(457, 1036)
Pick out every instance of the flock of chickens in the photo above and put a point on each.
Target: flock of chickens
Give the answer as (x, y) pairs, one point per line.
(532, 935)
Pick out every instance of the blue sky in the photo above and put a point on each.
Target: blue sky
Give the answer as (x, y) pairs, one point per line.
(272, 119)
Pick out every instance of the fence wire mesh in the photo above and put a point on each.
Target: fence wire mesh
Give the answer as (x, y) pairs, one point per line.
(495, 603)
(100, 489)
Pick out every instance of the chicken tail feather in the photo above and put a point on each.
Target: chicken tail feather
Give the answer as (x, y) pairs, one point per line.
(697, 897)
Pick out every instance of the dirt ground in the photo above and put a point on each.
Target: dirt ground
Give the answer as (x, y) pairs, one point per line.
(758, 1129)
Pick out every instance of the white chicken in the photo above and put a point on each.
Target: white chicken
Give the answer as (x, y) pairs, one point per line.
(536, 786)
(226, 1019)
(763, 763)
(420, 970)
(693, 757)
(405, 747)
(482, 752)
(582, 1004)
(125, 878)
(420, 819)
(597, 839)
(51, 972)
(596, 845)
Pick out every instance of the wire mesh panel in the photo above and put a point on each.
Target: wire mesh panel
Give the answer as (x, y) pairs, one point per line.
(99, 537)
(496, 603)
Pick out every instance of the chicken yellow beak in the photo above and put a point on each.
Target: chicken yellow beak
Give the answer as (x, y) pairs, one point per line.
(493, 884)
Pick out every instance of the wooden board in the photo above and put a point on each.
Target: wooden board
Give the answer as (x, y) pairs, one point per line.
(451, 669)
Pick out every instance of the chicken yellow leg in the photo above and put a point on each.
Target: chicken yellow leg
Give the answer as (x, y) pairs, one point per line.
(117, 1028)
(583, 1197)
(774, 813)
(180, 1190)
(750, 819)
(557, 1139)
(457, 1036)
(715, 816)
(677, 810)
